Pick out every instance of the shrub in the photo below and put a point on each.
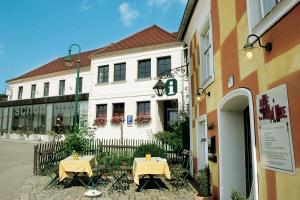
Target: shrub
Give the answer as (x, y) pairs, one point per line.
(78, 138)
(153, 149)
(203, 181)
(237, 196)
(170, 138)
(115, 159)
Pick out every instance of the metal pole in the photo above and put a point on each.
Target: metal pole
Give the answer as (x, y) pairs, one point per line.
(75, 119)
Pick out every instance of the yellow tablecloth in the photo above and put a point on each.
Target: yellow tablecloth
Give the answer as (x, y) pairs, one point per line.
(155, 166)
(69, 165)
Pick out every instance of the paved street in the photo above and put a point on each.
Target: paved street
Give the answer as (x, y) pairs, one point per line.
(16, 164)
(34, 190)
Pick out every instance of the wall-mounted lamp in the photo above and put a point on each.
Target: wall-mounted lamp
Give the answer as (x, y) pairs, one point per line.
(248, 47)
(159, 88)
(200, 92)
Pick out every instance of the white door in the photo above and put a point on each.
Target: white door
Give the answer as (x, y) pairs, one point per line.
(202, 145)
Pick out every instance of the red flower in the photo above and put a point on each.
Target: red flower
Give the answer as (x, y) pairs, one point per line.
(143, 119)
(116, 120)
(100, 121)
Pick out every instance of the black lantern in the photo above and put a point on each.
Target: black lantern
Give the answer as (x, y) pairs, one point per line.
(159, 88)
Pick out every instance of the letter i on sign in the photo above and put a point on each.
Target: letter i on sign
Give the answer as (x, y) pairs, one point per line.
(171, 87)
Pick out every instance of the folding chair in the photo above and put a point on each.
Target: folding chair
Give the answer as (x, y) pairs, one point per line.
(120, 181)
(180, 172)
(51, 170)
(99, 177)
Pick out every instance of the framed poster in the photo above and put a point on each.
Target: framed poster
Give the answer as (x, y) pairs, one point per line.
(276, 145)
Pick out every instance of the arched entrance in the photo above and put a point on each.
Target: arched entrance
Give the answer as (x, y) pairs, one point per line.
(237, 162)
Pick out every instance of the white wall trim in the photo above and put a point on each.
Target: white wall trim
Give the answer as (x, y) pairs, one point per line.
(283, 7)
(201, 119)
(226, 98)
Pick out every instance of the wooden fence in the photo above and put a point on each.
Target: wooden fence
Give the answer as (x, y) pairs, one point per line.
(44, 151)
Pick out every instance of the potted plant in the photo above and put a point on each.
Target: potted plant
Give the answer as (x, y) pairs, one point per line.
(117, 120)
(235, 195)
(100, 121)
(203, 181)
(142, 119)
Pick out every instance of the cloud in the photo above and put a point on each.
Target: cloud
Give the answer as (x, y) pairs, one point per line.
(128, 14)
(2, 47)
(86, 5)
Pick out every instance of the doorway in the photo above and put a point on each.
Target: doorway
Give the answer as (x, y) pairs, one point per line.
(238, 165)
(170, 113)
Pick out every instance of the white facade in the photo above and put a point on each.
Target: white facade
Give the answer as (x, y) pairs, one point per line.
(53, 79)
(129, 91)
(132, 90)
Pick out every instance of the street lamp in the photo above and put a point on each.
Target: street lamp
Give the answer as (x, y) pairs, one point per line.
(159, 88)
(69, 62)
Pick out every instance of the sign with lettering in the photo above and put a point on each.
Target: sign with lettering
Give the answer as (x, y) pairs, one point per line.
(276, 146)
(171, 87)
(129, 120)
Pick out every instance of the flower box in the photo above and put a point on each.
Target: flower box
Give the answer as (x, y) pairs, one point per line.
(117, 120)
(100, 121)
(142, 119)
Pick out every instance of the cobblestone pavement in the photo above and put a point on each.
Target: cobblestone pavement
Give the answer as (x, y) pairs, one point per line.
(33, 190)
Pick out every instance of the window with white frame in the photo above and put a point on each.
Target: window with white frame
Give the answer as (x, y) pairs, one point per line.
(206, 56)
(262, 14)
(202, 144)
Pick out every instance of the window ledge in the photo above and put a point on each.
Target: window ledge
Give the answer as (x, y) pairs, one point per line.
(208, 82)
(143, 79)
(119, 82)
(101, 84)
(275, 15)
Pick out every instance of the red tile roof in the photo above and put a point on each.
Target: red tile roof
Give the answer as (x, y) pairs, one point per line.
(153, 35)
(58, 65)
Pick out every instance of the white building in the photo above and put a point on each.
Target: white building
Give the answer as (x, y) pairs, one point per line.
(116, 80)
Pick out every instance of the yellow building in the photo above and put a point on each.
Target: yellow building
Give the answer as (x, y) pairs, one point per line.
(245, 104)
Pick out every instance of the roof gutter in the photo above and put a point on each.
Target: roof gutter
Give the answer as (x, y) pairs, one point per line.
(186, 18)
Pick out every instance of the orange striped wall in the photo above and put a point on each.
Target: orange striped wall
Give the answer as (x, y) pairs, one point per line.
(266, 71)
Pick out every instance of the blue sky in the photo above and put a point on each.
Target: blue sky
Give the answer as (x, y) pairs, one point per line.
(34, 32)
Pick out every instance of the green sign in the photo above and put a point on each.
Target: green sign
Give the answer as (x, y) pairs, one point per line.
(171, 87)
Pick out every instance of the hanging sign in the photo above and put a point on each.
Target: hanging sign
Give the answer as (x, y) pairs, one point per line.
(276, 146)
(171, 87)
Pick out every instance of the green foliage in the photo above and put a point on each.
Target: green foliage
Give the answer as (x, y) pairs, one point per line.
(237, 196)
(153, 149)
(171, 138)
(114, 159)
(203, 181)
(178, 134)
(78, 138)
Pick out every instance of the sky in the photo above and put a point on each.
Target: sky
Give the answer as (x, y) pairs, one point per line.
(34, 32)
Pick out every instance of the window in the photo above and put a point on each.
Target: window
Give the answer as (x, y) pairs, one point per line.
(163, 64)
(46, 89)
(79, 85)
(20, 92)
(144, 68)
(62, 87)
(118, 109)
(33, 91)
(206, 58)
(143, 108)
(262, 14)
(103, 74)
(119, 72)
(101, 110)
(202, 144)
